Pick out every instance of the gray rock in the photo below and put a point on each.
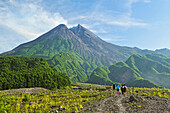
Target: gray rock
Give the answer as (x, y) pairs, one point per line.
(132, 99)
(74, 111)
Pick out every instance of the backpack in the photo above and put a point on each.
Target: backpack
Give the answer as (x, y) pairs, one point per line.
(124, 88)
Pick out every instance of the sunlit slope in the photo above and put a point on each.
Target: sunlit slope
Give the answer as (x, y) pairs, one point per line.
(152, 67)
(100, 76)
(151, 70)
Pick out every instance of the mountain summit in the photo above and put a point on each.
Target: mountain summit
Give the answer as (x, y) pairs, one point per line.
(75, 51)
(87, 36)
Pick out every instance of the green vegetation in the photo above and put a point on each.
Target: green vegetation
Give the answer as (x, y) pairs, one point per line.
(152, 67)
(122, 73)
(68, 100)
(26, 72)
(61, 100)
(150, 91)
(164, 51)
(151, 70)
(70, 64)
(76, 63)
(77, 52)
(100, 76)
(45, 48)
(85, 51)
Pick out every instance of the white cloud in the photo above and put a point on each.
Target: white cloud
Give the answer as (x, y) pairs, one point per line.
(114, 38)
(28, 18)
(126, 20)
(129, 6)
(127, 24)
(94, 31)
(98, 30)
(78, 18)
(86, 26)
(147, 1)
(122, 20)
(107, 17)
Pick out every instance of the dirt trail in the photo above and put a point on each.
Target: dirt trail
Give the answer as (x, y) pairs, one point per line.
(119, 103)
(100, 109)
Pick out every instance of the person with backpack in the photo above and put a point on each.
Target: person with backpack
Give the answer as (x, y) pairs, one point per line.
(117, 87)
(114, 87)
(124, 90)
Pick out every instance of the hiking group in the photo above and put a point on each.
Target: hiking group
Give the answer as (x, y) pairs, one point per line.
(123, 89)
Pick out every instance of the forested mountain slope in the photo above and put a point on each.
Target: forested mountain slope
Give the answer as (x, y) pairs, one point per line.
(100, 76)
(26, 72)
(151, 70)
(152, 67)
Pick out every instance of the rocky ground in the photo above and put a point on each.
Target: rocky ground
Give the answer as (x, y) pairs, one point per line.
(25, 91)
(130, 104)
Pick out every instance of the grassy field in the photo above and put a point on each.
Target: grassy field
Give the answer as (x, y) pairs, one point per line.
(150, 91)
(68, 100)
(40, 100)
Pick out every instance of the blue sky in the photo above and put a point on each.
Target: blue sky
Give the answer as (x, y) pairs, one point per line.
(135, 23)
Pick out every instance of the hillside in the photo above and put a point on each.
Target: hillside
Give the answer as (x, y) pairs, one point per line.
(100, 76)
(164, 51)
(151, 70)
(71, 64)
(87, 51)
(26, 72)
(122, 73)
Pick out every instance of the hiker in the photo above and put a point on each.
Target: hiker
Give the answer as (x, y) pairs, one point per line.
(124, 90)
(117, 88)
(114, 86)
